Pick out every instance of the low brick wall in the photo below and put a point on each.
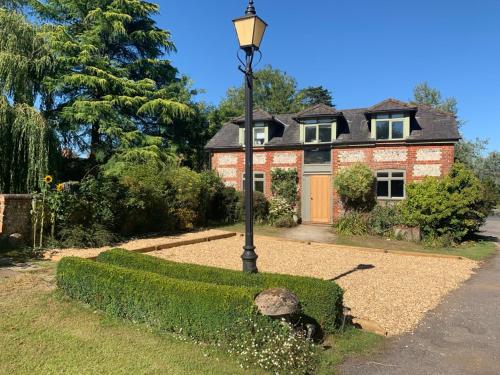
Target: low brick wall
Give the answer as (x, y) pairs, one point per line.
(15, 216)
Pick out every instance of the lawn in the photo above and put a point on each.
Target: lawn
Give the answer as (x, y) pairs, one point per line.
(475, 250)
(44, 333)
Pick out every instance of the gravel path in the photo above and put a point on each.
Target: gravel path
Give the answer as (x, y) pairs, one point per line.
(392, 290)
(130, 245)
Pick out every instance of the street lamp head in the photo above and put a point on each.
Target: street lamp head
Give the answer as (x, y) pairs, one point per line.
(250, 29)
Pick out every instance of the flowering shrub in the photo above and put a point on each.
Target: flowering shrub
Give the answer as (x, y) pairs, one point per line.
(281, 213)
(274, 346)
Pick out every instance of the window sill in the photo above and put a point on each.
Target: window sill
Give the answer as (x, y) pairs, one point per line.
(390, 199)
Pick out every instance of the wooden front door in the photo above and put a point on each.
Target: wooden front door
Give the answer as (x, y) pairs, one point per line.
(321, 199)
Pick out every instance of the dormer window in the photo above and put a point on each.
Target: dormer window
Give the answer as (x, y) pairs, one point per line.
(260, 134)
(318, 131)
(389, 127)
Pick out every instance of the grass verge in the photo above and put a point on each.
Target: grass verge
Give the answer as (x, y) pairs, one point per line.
(45, 333)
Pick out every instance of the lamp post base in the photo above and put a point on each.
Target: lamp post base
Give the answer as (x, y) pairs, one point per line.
(249, 259)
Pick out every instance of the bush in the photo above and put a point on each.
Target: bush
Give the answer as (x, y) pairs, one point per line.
(281, 213)
(196, 309)
(94, 236)
(218, 203)
(320, 299)
(382, 220)
(280, 349)
(454, 207)
(285, 184)
(353, 223)
(260, 206)
(356, 187)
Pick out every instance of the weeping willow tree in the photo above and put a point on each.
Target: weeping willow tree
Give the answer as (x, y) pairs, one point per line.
(24, 133)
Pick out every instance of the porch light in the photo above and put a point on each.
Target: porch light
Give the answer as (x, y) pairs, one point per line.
(250, 28)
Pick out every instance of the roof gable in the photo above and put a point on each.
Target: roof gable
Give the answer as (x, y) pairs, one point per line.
(391, 105)
(318, 110)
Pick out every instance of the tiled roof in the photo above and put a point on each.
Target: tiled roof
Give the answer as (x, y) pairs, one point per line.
(353, 126)
(258, 115)
(318, 110)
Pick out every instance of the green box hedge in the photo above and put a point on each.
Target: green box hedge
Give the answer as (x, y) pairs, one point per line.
(194, 308)
(321, 300)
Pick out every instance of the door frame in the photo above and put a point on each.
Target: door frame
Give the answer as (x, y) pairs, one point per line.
(306, 196)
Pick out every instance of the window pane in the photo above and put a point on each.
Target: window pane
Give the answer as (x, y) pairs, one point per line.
(397, 174)
(397, 115)
(310, 134)
(383, 189)
(258, 175)
(383, 174)
(382, 116)
(259, 136)
(397, 129)
(258, 186)
(397, 189)
(317, 156)
(325, 133)
(382, 129)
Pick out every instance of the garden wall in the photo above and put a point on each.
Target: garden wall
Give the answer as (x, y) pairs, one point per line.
(15, 216)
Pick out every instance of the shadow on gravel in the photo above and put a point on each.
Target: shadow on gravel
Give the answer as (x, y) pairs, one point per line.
(361, 267)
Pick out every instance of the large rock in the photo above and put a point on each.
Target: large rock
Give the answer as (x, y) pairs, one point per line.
(277, 302)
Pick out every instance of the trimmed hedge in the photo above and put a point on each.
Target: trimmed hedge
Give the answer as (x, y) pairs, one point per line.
(194, 308)
(321, 300)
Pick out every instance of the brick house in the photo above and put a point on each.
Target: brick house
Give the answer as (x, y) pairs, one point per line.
(400, 142)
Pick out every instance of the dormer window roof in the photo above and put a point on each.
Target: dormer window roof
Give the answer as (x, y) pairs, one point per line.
(317, 111)
(391, 106)
(259, 115)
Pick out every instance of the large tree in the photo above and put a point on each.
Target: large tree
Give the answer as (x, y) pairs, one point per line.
(113, 91)
(25, 60)
(274, 91)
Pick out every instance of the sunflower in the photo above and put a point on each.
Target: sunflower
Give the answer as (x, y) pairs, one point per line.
(48, 179)
(60, 187)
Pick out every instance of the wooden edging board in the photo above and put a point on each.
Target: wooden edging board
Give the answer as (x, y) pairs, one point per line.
(180, 243)
(368, 249)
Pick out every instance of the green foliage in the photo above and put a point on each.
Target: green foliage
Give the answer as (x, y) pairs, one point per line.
(352, 223)
(355, 186)
(278, 349)
(260, 207)
(197, 309)
(321, 300)
(274, 91)
(285, 184)
(424, 94)
(281, 213)
(382, 220)
(313, 95)
(453, 207)
(94, 236)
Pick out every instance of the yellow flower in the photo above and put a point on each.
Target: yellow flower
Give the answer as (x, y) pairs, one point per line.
(60, 187)
(48, 179)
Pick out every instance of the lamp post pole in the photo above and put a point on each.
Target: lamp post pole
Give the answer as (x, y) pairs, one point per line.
(249, 256)
(250, 30)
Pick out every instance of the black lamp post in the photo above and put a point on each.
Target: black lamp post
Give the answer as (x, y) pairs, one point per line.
(250, 30)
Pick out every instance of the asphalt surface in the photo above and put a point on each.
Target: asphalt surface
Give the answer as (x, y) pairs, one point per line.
(461, 336)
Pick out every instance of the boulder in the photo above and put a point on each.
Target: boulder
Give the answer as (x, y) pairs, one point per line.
(277, 302)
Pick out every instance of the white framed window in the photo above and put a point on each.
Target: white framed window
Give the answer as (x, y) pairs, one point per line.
(318, 131)
(391, 184)
(390, 126)
(259, 135)
(259, 181)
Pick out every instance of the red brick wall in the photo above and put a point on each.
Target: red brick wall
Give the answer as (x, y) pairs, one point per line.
(418, 161)
(231, 165)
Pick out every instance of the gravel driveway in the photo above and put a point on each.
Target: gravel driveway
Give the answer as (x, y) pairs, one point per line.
(392, 290)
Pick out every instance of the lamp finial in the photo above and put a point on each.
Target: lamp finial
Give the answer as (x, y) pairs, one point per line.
(250, 8)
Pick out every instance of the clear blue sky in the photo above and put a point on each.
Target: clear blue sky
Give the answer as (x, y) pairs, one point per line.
(362, 50)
